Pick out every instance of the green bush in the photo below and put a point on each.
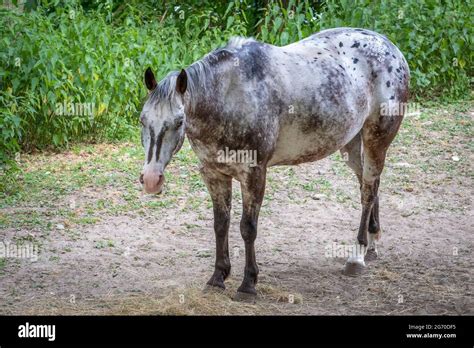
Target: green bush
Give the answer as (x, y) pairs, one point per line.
(56, 61)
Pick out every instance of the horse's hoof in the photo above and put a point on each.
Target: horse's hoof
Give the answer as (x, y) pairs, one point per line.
(245, 297)
(354, 269)
(216, 281)
(371, 255)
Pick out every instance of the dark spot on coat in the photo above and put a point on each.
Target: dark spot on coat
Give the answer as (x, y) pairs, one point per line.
(355, 60)
(388, 83)
(398, 70)
(365, 45)
(390, 68)
(387, 53)
(152, 144)
(393, 56)
(355, 45)
(392, 97)
(159, 141)
(340, 44)
(254, 61)
(341, 67)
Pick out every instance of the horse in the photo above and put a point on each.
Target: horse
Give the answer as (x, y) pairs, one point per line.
(338, 89)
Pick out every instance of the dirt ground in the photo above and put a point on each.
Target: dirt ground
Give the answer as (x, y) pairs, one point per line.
(128, 261)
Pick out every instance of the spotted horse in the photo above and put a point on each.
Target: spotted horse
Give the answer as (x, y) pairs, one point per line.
(334, 90)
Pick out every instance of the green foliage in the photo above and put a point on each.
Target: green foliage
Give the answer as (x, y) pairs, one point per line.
(58, 63)
(61, 54)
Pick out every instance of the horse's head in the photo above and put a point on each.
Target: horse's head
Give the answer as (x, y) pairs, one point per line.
(162, 120)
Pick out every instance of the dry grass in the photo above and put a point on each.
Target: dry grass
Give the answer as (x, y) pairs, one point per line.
(191, 300)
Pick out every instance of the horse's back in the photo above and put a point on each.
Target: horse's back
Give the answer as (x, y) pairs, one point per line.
(368, 62)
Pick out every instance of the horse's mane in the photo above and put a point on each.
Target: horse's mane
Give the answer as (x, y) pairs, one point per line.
(199, 72)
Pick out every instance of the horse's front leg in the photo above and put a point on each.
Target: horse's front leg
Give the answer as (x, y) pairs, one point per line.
(253, 189)
(220, 189)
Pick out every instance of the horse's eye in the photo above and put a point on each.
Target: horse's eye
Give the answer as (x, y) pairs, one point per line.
(179, 123)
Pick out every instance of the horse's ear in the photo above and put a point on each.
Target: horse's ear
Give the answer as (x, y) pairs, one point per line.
(150, 81)
(182, 82)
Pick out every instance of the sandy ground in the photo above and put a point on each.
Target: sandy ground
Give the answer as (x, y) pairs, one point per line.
(159, 263)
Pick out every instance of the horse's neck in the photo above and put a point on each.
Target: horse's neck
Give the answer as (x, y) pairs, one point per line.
(204, 98)
(193, 117)
(199, 96)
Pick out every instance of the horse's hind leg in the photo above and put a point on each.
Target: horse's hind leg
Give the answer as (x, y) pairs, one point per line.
(352, 152)
(376, 137)
(374, 226)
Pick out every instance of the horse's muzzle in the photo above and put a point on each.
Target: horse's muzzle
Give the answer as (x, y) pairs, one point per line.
(152, 181)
